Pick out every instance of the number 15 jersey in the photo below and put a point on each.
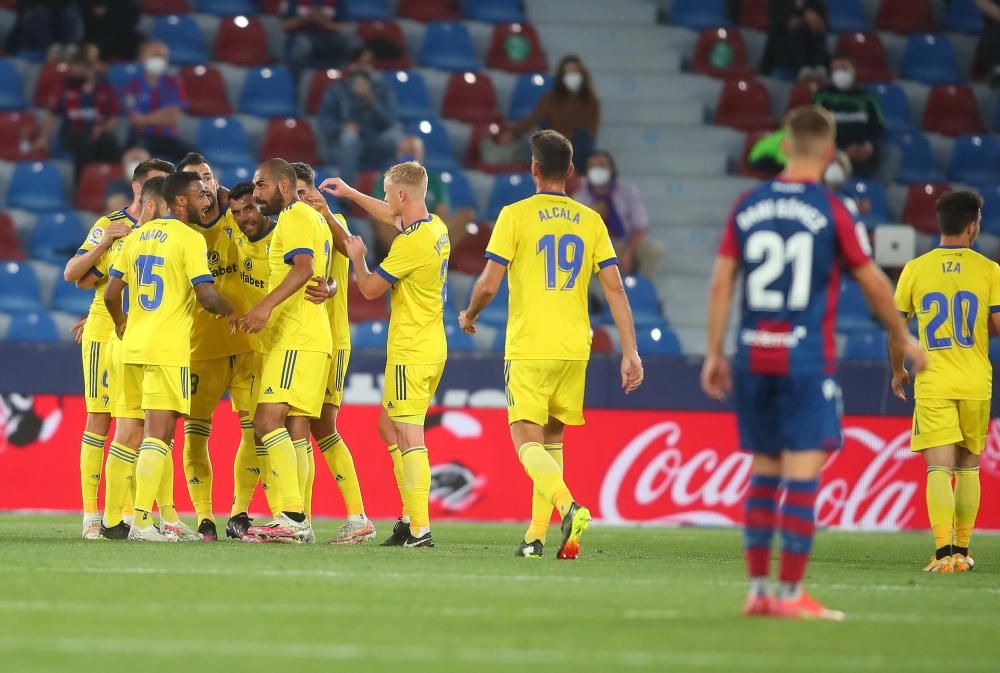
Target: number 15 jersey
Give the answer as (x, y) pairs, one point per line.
(551, 246)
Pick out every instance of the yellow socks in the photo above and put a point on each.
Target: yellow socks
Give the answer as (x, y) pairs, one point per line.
(541, 508)
(267, 482)
(417, 483)
(310, 480)
(91, 457)
(148, 473)
(341, 463)
(397, 472)
(165, 494)
(940, 504)
(546, 474)
(118, 482)
(246, 469)
(303, 455)
(284, 469)
(967, 492)
(198, 467)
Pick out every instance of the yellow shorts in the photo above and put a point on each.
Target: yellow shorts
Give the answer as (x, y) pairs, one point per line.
(338, 374)
(116, 382)
(156, 387)
(95, 377)
(409, 389)
(541, 389)
(251, 364)
(210, 379)
(295, 378)
(942, 422)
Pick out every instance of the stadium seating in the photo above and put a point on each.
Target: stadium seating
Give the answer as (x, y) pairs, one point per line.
(36, 326)
(527, 90)
(964, 17)
(508, 189)
(699, 14)
(521, 39)
(18, 288)
(873, 194)
(753, 14)
(472, 157)
(429, 10)
(917, 159)
(292, 139)
(951, 110)
(975, 159)
(50, 76)
(470, 98)
(601, 341)
(991, 208)
(242, 41)
(36, 186)
(437, 144)
(894, 104)
(318, 83)
(905, 16)
(412, 99)
(226, 7)
(643, 299)
(867, 53)
(230, 175)
(372, 335)
(801, 93)
(657, 340)
(748, 144)
(156, 7)
(709, 40)
(66, 297)
(10, 249)
(467, 256)
(206, 91)
(18, 129)
(448, 46)
(853, 313)
(93, 185)
(929, 58)
(494, 315)
(460, 194)
(744, 104)
(387, 43)
(866, 345)
(364, 10)
(269, 92)
(11, 86)
(223, 140)
(458, 341)
(56, 237)
(366, 310)
(495, 11)
(845, 16)
(183, 36)
(918, 210)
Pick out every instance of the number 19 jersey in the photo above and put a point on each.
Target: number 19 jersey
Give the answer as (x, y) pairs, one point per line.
(551, 246)
(952, 291)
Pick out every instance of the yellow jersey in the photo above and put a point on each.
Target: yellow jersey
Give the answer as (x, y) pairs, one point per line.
(299, 324)
(417, 267)
(161, 263)
(952, 291)
(255, 273)
(336, 308)
(211, 337)
(551, 246)
(99, 324)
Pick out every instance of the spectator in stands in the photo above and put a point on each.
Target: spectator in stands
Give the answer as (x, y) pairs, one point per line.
(767, 155)
(989, 42)
(112, 26)
(572, 108)
(43, 26)
(313, 37)
(620, 204)
(796, 39)
(858, 115)
(155, 100)
(357, 118)
(122, 188)
(85, 107)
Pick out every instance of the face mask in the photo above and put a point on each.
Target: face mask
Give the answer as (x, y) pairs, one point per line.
(130, 169)
(842, 79)
(155, 65)
(599, 176)
(834, 175)
(573, 81)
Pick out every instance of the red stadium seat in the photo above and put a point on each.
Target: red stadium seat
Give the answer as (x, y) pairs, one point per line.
(365, 310)
(51, 74)
(18, 129)
(164, 6)
(472, 158)
(918, 210)
(271, 6)
(951, 109)
(867, 53)
(365, 185)
(467, 255)
(753, 14)
(291, 139)
(503, 33)
(317, 87)
(905, 16)
(470, 97)
(744, 104)
(802, 94)
(430, 10)
(387, 43)
(94, 183)
(10, 249)
(206, 91)
(707, 42)
(602, 342)
(241, 40)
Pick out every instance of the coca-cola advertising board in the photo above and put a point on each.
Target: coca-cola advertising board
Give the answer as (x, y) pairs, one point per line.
(629, 467)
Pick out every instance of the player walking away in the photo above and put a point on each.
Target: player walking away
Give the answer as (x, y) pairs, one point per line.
(954, 293)
(551, 245)
(789, 237)
(358, 528)
(164, 267)
(415, 270)
(294, 372)
(96, 332)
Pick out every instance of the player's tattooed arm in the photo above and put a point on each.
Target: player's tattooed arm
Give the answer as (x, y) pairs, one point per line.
(614, 293)
(79, 265)
(113, 300)
(377, 209)
(212, 300)
(483, 292)
(716, 378)
(300, 273)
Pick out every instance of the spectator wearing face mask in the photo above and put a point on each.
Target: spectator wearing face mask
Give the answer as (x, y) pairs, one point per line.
(858, 116)
(619, 203)
(796, 38)
(571, 108)
(155, 100)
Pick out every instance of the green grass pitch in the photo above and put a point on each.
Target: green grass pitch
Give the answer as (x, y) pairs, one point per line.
(640, 599)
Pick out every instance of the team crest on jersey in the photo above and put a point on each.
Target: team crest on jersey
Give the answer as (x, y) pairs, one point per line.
(96, 234)
(213, 257)
(229, 232)
(248, 264)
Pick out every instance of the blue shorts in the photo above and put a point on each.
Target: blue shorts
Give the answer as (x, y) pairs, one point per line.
(787, 413)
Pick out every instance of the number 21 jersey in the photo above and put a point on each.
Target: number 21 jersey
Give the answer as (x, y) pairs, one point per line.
(791, 240)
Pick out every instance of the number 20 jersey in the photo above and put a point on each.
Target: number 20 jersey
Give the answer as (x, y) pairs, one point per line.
(791, 240)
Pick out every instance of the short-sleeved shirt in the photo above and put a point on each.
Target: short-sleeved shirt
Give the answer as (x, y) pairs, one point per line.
(99, 324)
(336, 307)
(161, 263)
(417, 267)
(551, 246)
(144, 98)
(254, 274)
(81, 110)
(952, 291)
(298, 324)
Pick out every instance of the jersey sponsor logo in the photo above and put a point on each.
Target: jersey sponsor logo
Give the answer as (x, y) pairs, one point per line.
(96, 234)
(557, 213)
(248, 264)
(250, 280)
(782, 209)
(223, 270)
(213, 257)
(229, 232)
(764, 339)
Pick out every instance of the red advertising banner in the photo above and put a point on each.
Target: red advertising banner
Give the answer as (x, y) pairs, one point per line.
(651, 467)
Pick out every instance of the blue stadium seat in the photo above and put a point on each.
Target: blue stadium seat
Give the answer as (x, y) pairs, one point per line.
(11, 86)
(657, 340)
(917, 159)
(230, 175)
(268, 92)
(448, 46)
(527, 90)
(66, 297)
(991, 208)
(495, 315)
(996, 118)
(371, 335)
(37, 186)
(457, 339)
(964, 17)
(866, 345)
(895, 106)
(436, 143)
(975, 159)
(699, 14)
(182, 35)
(224, 141)
(460, 194)
(18, 288)
(508, 188)
(874, 193)
(56, 237)
(495, 11)
(853, 313)
(34, 326)
(227, 7)
(410, 89)
(929, 58)
(644, 300)
(121, 73)
(364, 10)
(845, 16)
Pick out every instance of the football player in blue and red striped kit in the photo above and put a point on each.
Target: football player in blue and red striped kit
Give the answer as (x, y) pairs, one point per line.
(790, 238)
